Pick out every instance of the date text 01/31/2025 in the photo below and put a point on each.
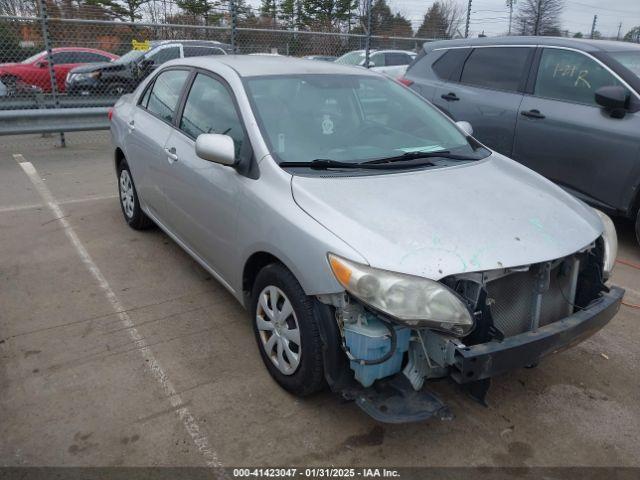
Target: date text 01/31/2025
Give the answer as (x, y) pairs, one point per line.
(316, 472)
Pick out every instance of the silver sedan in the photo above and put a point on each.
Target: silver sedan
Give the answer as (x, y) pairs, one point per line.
(376, 243)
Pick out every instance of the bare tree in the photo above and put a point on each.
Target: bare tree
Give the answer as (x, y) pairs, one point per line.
(539, 17)
(17, 8)
(453, 14)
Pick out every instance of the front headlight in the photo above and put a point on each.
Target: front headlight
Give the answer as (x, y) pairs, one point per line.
(414, 301)
(78, 77)
(610, 238)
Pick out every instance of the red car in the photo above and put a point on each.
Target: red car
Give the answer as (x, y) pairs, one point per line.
(34, 71)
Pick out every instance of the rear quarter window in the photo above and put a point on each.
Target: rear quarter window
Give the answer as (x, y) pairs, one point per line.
(449, 65)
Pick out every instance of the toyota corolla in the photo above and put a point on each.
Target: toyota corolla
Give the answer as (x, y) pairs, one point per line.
(376, 244)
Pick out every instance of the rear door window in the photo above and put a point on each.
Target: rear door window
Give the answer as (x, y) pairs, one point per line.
(199, 51)
(61, 58)
(162, 98)
(165, 54)
(571, 76)
(499, 68)
(397, 58)
(90, 57)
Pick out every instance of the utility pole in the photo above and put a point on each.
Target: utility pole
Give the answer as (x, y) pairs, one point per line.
(536, 27)
(510, 5)
(466, 28)
(593, 25)
(44, 19)
(367, 50)
(619, 28)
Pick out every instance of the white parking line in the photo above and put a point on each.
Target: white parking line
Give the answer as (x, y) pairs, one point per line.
(29, 206)
(188, 420)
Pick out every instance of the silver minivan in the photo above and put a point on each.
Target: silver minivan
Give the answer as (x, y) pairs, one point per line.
(567, 108)
(376, 244)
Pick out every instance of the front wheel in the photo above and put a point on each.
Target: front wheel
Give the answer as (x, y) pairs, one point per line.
(129, 201)
(286, 331)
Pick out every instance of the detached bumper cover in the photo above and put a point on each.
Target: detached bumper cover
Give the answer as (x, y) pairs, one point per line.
(486, 360)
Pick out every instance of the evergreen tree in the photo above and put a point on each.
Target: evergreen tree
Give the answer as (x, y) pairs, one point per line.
(326, 13)
(434, 24)
(129, 10)
(633, 35)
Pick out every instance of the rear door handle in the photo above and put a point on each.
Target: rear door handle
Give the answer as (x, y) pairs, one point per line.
(171, 154)
(533, 114)
(450, 97)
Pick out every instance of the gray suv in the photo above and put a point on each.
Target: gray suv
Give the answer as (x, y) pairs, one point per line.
(567, 108)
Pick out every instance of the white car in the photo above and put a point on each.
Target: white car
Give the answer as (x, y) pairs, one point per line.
(391, 62)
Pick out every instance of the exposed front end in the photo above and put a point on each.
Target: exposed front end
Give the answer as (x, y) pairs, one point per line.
(519, 315)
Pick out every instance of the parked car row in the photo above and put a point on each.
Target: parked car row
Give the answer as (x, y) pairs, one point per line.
(375, 242)
(91, 72)
(568, 109)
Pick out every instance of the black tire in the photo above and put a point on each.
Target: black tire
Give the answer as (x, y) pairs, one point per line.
(308, 377)
(133, 214)
(638, 226)
(116, 89)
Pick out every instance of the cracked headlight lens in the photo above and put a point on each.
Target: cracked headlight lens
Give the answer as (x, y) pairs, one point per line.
(610, 238)
(411, 300)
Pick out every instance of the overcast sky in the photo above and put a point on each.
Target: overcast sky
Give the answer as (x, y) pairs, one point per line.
(492, 16)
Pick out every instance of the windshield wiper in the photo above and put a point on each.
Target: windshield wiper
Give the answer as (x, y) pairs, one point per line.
(324, 164)
(407, 156)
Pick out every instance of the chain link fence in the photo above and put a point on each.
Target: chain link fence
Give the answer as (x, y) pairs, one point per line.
(57, 55)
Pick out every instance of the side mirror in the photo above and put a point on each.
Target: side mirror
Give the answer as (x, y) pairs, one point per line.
(465, 127)
(614, 99)
(216, 148)
(43, 64)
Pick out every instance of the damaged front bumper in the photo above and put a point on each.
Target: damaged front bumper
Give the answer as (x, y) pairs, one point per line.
(397, 399)
(486, 360)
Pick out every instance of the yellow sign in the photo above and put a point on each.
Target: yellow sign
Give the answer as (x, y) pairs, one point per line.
(145, 45)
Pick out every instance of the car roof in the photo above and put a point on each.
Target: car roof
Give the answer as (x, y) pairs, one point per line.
(80, 49)
(259, 65)
(586, 45)
(373, 50)
(204, 43)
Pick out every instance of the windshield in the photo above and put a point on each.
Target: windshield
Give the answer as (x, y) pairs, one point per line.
(348, 118)
(351, 58)
(130, 56)
(33, 58)
(630, 60)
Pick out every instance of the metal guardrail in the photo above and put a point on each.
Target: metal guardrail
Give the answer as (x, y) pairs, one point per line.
(53, 120)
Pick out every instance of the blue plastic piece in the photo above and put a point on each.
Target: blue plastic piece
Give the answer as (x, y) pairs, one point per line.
(372, 341)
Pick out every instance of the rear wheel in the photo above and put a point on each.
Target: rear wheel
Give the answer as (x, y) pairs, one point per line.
(129, 202)
(287, 331)
(638, 226)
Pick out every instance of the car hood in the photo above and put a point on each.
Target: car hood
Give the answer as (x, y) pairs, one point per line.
(479, 216)
(92, 67)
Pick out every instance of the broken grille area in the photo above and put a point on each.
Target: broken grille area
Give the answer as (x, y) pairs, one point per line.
(522, 301)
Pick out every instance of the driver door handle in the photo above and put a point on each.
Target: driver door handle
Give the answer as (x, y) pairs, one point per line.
(450, 97)
(171, 154)
(532, 114)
